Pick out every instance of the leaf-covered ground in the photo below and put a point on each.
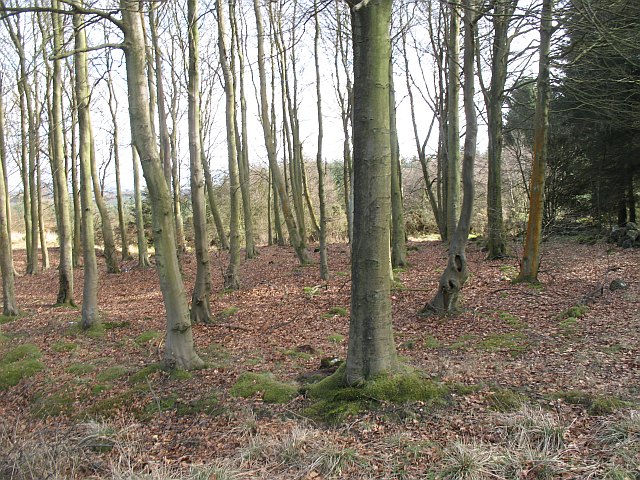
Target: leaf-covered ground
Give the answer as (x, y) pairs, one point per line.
(537, 386)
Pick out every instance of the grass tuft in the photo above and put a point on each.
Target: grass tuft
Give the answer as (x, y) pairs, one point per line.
(505, 400)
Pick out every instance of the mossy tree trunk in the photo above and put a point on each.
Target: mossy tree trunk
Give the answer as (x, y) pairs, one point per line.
(371, 346)
(90, 314)
(447, 299)
(200, 300)
(179, 349)
(530, 262)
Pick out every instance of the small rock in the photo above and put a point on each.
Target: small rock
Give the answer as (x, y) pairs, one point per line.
(618, 284)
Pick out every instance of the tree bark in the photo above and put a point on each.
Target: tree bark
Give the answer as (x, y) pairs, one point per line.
(530, 262)
(9, 305)
(371, 350)
(90, 314)
(447, 299)
(200, 300)
(143, 255)
(179, 349)
(61, 192)
(294, 236)
(453, 127)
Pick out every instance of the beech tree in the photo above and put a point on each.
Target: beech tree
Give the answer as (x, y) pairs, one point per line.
(371, 350)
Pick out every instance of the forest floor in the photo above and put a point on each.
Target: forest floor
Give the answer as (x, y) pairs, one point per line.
(530, 387)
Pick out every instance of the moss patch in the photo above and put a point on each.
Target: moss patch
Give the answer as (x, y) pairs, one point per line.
(464, 341)
(431, 342)
(112, 325)
(595, 404)
(111, 373)
(577, 311)
(512, 343)
(178, 374)
(336, 312)
(505, 400)
(146, 337)
(111, 406)
(335, 400)
(54, 405)
(216, 356)
(227, 312)
(336, 338)
(63, 347)
(511, 320)
(80, 368)
(145, 372)
(208, 404)
(18, 363)
(8, 318)
(272, 390)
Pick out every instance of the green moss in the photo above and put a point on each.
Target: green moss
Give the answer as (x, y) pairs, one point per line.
(336, 312)
(178, 374)
(95, 332)
(112, 325)
(296, 354)
(342, 274)
(335, 400)
(146, 337)
(63, 347)
(336, 338)
(464, 341)
(111, 406)
(511, 320)
(145, 372)
(21, 352)
(569, 325)
(111, 373)
(595, 404)
(311, 291)
(577, 311)
(8, 318)
(458, 388)
(98, 389)
(12, 373)
(207, 404)
(272, 390)
(80, 368)
(499, 342)
(227, 312)
(431, 342)
(505, 400)
(160, 405)
(54, 405)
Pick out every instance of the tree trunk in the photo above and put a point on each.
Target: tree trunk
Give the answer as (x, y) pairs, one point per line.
(371, 346)
(447, 300)
(213, 205)
(530, 263)
(231, 277)
(200, 300)
(61, 192)
(107, 230)
(75, 181)
(90, 314)
(398, 234)
(143, 255)
(503, 12)
(453, 126)
(296, 241)
(9, 305)
(324, 265)
(243, 144)
(179, 349)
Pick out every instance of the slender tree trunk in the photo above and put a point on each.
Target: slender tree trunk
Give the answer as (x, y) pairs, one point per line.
(231, 277)
(60, 186)
(179, 349)
(41, 226)
(243, 143)
(175, 178)
(9, 305)
(200, 300)
(324, 265)
(296, 241)
(398, 234)
(503, 12)
(277, 223)
(143, 255)
(530, 263)
(453, 128)
(5, 180)
(447, 300)
(371, 346)
(75, 181)
(113, 109)
(24, 170)
(213, 205)
(107, 229)
(90, 314)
